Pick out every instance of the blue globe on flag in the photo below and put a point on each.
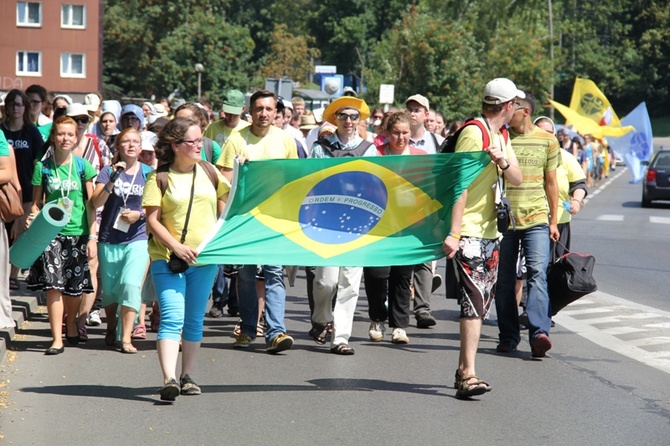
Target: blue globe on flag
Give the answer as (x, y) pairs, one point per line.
(640, 146)
(343, 207)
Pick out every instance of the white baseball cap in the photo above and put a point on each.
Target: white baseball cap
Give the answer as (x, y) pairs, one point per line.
(501, 90)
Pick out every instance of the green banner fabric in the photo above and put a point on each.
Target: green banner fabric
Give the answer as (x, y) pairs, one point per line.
(372, 211)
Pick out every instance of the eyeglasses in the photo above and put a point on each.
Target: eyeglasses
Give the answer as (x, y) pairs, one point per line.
(14, 105)
(344, 116)
(81, 119)
(194, 142)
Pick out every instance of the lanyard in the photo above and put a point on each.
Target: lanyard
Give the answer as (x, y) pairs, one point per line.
(125, 199)
(69, 177)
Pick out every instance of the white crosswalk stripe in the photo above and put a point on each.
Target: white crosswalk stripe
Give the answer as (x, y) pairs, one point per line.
(636, 331)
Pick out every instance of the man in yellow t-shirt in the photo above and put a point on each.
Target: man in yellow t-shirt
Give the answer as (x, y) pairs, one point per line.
(261, 140)
(538, 153)
(233, 106)
(472, 242)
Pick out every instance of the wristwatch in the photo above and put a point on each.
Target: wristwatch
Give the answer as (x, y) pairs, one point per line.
(506, 167)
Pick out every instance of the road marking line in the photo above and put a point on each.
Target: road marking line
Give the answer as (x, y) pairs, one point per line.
(610, 217)
(655, 341)
(661, 220)
(587, 311)
(604, 337)
(617, 331)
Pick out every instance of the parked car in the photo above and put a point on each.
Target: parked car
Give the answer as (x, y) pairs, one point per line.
(656, 182)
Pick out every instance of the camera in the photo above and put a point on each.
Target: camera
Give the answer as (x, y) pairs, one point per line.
(504, 215)
(176, 264)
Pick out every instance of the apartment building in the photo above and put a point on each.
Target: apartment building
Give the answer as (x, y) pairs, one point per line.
(54, 43)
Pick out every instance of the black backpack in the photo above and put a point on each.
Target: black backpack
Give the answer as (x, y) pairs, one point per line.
(337, 153)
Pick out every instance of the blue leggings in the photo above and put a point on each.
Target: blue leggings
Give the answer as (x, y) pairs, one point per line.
(182, 298)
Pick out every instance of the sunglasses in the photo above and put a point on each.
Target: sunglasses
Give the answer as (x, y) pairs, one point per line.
(81, 119)
(344, 116)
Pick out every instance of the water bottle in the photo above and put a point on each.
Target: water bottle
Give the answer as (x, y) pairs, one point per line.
(567, 206)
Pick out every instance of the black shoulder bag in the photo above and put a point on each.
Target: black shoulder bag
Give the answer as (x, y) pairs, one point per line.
(177, 264)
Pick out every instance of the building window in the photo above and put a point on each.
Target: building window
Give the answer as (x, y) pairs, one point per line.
(72, 65)
(28, 14)
(28, 63)
(73, 16)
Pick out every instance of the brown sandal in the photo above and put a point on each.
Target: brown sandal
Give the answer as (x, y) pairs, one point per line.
(469, 385)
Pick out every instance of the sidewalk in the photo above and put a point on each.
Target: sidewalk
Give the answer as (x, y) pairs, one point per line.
(24, 306)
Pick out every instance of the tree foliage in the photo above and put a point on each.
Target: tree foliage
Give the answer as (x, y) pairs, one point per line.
(445, 49)
(291, 56)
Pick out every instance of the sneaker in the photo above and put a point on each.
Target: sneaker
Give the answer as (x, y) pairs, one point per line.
(437, 283)
(425, 320)
(188, 386)
(215, 312)
(280, 343)
(399, 336)
(93, 319)
(540, 346)
(170, 390)
(376, 331)
(242, 341)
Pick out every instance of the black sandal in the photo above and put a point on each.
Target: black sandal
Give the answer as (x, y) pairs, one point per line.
(342, 349)
(319, 333)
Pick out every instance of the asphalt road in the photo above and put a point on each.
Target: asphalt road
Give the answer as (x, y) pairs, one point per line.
(605, 382)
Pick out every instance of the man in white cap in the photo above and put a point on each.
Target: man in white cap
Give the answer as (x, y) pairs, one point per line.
(421, 138)
(418, 107)
(233, 106)
(472, 243)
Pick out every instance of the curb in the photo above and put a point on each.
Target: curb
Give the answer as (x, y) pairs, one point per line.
(23, 309)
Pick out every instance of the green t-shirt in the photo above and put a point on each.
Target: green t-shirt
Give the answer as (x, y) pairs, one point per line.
(45, 130)
(216, 152)
(538, 153)
(72, 185)
(4, 145)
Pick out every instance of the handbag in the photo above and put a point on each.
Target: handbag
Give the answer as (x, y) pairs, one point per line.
(11, 205)
(569, 277)
(177, 264)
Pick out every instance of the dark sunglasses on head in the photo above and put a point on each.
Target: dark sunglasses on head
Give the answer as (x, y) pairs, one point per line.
(81, 119)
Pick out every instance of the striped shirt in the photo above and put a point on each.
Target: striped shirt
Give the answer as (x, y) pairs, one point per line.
(538, 153)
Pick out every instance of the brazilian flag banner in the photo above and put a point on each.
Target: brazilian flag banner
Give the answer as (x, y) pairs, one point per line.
(372, 211)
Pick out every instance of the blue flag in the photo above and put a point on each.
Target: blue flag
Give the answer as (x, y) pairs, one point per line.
(637, 146)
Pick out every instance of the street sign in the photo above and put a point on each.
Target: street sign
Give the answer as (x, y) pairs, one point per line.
(386, 93)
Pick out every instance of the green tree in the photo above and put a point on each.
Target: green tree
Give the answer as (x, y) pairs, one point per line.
(291, 55)
(426, 56)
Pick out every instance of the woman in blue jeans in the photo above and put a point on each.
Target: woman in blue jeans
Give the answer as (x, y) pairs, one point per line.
(182, 296)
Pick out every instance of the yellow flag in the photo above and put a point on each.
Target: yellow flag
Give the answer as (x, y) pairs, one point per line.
(589, 101)
(587, 126)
